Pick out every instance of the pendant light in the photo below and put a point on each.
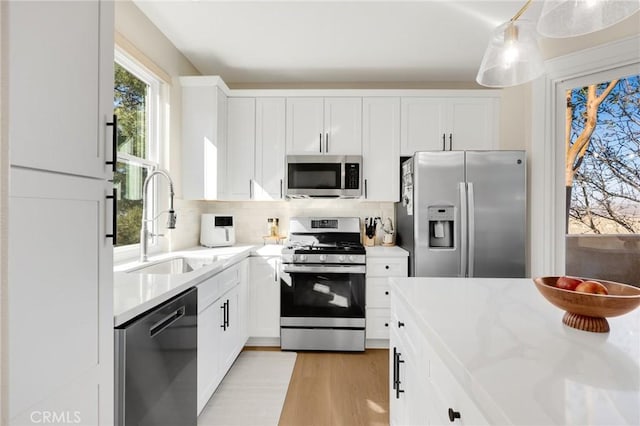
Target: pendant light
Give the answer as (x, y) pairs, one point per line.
(513, 56)
(569, 18)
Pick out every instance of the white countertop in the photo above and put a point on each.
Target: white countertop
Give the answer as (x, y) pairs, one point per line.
(386, 251)
(508, 348)
(134, 293)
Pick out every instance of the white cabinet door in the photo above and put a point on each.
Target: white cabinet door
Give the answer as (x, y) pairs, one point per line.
(305, 126)
(209, 336)
(264, 297)
(204, 109)
(472, 124)
(270, 148)
(229, 305)
(343, 126)
(59, 65)
(60, 277)
(381, 148)
(422, 125)
(241, 134)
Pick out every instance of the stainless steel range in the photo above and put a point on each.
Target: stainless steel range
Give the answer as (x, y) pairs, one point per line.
(322, 285)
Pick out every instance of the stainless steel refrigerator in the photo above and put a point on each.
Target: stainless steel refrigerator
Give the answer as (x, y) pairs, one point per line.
(463, 213)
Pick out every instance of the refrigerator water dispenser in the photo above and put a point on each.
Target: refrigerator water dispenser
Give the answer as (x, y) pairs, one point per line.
(441, 223)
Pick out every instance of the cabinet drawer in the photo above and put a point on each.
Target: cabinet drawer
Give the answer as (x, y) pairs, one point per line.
(378, 323)
(208, 292)
(229, 278)
(377, 293)
(387, 267)
(452, 395)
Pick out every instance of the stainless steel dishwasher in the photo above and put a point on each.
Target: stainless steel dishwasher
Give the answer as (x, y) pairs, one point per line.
(156, 376)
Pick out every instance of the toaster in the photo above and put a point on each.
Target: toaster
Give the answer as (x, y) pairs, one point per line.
(217, 230)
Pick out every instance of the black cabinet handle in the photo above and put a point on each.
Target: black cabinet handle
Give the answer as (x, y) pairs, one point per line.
(395, 368)
(114, 220)
(365, 189)
(453, 415)
(444, 142)
(114, 143)
(224, 316)
(320, 142)
(281, 188)
(400, 324)
(450, 141)
(326, 143)
(398, 390)
(226, 320)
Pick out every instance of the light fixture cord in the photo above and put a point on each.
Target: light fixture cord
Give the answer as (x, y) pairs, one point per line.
(521, 11)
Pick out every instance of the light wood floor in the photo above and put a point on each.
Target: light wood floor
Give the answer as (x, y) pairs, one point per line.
(336, 389)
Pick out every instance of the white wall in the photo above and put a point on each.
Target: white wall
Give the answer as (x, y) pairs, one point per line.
(4, 197)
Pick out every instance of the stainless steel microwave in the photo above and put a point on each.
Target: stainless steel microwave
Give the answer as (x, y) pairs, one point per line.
(323, 176)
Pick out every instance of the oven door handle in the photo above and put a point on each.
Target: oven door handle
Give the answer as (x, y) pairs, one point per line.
(326, 269)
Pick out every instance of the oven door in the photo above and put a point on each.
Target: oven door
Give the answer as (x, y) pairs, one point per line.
(322, 291)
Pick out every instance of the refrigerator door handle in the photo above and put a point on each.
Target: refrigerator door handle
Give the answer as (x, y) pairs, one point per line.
(463, 229)
(472, 226)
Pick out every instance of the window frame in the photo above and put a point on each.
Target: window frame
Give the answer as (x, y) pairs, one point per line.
(154, 126)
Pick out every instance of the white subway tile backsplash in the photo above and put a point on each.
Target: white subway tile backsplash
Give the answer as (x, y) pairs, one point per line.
(250, 217)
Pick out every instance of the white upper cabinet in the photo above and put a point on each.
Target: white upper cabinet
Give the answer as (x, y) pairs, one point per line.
(305, 125)
(423, 121)
(204, 139)
(449, 123)
(324, 126)
(270, 148)
(241, 136)
(381, 148)
(60, 98)
(343, 126)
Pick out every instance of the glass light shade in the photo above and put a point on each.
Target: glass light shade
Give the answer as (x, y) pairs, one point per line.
(512, 57)
(569, 18)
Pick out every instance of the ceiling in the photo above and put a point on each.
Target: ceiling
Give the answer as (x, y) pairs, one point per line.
(333, 41)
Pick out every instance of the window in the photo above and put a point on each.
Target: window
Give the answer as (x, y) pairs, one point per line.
(136, 93)
(603, 157)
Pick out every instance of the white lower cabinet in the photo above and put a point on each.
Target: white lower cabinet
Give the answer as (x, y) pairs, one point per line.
(221, 309)
(264, 300)
(423, 391)
(379, 269)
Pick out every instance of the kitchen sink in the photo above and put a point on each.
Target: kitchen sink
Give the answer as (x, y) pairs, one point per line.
(174, 265)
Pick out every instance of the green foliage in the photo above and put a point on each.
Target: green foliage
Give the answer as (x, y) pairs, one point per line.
(130, 105)
(129, 222)
(130, 94)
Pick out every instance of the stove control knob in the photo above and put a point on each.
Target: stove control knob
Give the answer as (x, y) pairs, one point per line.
(352, 258)
(302, 258)
(341, 258)
(323, 257)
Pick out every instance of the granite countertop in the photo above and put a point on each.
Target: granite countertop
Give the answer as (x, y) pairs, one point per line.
(508, 348)
(134, 293)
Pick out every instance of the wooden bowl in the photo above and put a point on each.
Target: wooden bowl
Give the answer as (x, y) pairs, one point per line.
(586, 311)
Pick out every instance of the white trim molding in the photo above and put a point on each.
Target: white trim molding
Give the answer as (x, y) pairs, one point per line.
(547, 152)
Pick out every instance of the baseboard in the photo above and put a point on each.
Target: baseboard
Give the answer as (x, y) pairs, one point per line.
(263, 341)
(377, 343)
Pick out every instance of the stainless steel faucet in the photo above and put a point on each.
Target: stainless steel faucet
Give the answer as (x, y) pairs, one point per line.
(144, 230)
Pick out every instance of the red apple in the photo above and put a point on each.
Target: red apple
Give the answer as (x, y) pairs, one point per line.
(592, 287)
(568, 283)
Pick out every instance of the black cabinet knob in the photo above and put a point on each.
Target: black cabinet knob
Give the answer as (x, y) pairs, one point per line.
(386, 292)
(386, 324)
(400, 324)
(386, 266)
(453, 415)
